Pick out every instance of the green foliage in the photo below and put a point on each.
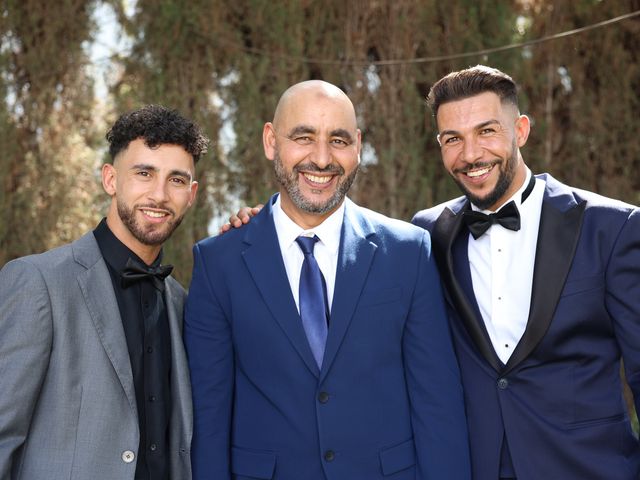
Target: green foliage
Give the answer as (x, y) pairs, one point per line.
(46, 126)
(582, 95)
(225, 63)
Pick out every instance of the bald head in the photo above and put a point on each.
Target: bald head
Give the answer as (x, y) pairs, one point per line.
(309, 91)
(314, 143)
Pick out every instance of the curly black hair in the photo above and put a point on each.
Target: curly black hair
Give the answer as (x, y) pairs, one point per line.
(156, 125)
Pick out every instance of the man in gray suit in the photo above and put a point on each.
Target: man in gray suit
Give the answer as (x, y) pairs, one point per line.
(93, 375)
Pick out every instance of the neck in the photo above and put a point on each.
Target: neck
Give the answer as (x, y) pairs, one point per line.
(303, 219)
(147, 253)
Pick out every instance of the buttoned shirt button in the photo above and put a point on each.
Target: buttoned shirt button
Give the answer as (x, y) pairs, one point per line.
(149, 349)
(153, 447)
(152, 398)
(329, 456)
(503, 383)
(128, 456)
(323, 397)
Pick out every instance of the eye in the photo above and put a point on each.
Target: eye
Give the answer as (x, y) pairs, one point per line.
(451, 140)
(302, 140)
(143, 174)
(340, 142)
(487, 131)
(178, 181)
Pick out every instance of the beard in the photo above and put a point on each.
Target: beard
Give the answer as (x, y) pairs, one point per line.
(151, 235)
(505, 179)
(289, 181)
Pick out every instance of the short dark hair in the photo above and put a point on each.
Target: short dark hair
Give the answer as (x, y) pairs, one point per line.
(156, 125)
(470, 82)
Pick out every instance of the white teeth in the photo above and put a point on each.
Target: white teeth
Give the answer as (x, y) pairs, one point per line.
(154, 214)
(477, 173)
(316, 179)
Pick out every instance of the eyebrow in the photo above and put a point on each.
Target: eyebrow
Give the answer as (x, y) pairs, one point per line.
(342, 133)
(306, 129)
(300, 130)
(476, 127)
(173, 173)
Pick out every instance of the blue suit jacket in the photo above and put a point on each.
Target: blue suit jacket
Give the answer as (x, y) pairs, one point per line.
(559, 398)
(387, 402)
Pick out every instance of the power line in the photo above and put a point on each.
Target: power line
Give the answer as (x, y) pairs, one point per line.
(437, 58)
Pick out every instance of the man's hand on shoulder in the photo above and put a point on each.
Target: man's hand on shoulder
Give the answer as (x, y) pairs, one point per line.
(242, 217)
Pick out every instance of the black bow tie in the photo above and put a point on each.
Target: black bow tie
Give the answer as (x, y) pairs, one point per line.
(135, 271)
(478, 223)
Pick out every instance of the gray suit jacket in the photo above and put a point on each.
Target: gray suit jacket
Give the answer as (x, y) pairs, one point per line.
(67, 400)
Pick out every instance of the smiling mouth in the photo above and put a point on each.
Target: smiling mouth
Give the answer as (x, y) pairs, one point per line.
(318, 179)
(154, 213)
(476, 171)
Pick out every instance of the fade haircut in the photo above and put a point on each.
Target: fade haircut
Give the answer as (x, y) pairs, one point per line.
(470, 82)
(156, 125)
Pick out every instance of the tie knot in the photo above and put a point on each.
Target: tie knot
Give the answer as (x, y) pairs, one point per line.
(306, 244)
(135, 271)
(478, 222)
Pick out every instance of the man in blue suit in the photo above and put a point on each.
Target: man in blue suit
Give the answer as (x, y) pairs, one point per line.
(369, 388)
(542, 283)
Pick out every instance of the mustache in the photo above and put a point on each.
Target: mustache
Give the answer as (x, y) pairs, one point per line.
(476, 165)
(312, 167)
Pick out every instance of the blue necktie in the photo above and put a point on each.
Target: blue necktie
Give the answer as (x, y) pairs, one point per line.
(313, 304)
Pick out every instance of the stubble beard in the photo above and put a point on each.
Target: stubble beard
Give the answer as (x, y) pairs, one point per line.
(505, 179)
(289, 181)
(148, 236)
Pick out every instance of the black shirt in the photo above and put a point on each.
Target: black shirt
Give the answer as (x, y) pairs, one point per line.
(146, 328)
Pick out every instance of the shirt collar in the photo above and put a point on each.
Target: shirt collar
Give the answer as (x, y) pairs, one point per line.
(328, 231)
(115, 252)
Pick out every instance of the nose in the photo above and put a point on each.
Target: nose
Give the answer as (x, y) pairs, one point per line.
(471, 150)
(158, 191)
(322, 155)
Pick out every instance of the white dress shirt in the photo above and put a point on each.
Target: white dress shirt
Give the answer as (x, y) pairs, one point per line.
(502, 263)
(325, 250)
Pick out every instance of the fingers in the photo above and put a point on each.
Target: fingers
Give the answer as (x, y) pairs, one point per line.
(242, 217)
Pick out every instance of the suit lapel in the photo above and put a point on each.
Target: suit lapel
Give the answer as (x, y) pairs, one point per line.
(446, 230)
(264, 261)
(558, 235)
(354, 260)
(181, 412)
(97, 289)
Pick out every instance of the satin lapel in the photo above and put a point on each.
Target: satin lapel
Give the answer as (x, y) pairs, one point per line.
(181, 412)
(445, 231)
(355, 255)
(97, 289)
(264, 261)
(558, 237)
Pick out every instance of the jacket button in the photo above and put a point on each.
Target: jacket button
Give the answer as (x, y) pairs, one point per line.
(503, 383)
(128, 456)
(329, 455)
(323, 397)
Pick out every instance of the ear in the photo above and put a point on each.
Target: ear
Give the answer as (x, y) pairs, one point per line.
(269, 140)
(109, 175)
(523, 127)
(192, 193)
(359, 143)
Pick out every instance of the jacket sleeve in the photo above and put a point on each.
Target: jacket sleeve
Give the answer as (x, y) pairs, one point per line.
(433, 380)
(26, 333)
(623, 298)
(208, 342)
